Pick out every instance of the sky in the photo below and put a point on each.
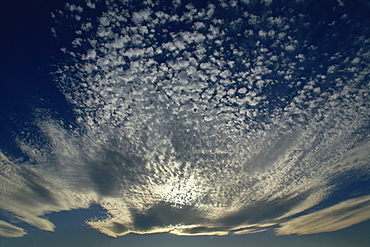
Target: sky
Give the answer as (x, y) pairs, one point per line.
(186, 123)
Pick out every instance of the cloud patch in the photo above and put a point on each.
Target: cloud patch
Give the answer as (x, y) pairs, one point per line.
(340, 216)
(10, 231)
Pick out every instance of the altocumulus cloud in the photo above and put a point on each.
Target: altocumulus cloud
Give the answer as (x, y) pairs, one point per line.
(196, 123)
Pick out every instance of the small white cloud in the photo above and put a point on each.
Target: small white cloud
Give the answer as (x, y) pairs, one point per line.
(141, 16)
(91, 54)
(356, 60)
(90, 4)
(104, 21)
(267, 2)
(253, 19)
(290, 48)
(262, 33)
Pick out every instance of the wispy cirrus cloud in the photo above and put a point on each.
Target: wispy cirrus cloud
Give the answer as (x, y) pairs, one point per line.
(10, 231)
(339, 216)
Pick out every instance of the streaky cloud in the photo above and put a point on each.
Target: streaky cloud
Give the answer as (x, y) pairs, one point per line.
(249, 231)
(339, 216)
(10, 231)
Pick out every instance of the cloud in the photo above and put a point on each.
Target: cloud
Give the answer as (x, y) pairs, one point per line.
(141, 16)
(29, 195)
(201, 230)
(249, 231)
(339, 216)
(10, 231)
(183, 125)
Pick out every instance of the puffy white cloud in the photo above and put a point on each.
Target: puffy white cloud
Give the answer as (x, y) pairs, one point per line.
(141, 16)
(90, 4)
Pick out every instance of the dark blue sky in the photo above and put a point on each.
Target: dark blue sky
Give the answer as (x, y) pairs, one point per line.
(28, 55)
